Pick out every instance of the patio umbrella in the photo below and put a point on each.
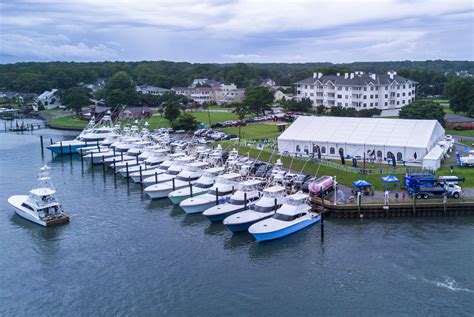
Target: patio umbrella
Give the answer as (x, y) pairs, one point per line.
(361, 184)
(389, 179)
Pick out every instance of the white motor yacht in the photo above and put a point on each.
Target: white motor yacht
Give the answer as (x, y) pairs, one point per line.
(294, 215)
(263, 208)
(160, 169)
(247, 192)
(217, 194)
(152, 160)
(172, 171)
(190, 173)
(40, 206)
(201, 186)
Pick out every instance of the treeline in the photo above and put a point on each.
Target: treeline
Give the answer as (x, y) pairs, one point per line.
(38, 77)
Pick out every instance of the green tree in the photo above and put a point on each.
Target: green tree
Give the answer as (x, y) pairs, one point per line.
(303, 105)
(423, 109)
(185, 121)
(258, 99)
(75, 98)
(321, 109)
(172, 112)
(460, 91)
(120, 90)
(241, 110)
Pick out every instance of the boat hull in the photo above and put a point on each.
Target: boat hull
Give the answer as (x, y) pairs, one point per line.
(244, 226)
(15, 202)
(178, 199)
(285, 231)
(65, 149)
(195, 209)
(221, 216)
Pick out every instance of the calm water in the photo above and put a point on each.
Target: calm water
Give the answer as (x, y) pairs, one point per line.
(125, 255)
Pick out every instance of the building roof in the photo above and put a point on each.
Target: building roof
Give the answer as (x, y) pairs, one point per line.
(449, 117)
(47, 94)
(365, 131)
(357, 80)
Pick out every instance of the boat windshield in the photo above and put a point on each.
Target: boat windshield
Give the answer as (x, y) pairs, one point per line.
(273, 194)
(283, 217)
(248, 188)
(186, 178)
(258, 208)
(234, 201)
(173, 172)
(295, 202)
(200, 185)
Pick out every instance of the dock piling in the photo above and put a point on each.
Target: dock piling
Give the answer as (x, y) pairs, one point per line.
(61, 145)
(126, 169)
(217, 196)
(322, 226)
(190, 187)
(42, 146)
(115, 170)
(70, 151)
(103, 164)
(245, 201)
(137, 160)
(174, 186)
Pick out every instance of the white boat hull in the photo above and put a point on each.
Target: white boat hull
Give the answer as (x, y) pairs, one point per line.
(17, 200)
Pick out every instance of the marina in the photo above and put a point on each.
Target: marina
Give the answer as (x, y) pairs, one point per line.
(114, 224)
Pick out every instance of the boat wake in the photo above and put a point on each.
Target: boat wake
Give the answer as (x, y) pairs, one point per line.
(448, 283)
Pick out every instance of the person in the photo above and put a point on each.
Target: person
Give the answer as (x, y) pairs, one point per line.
(396, 196)
(451, 167)
(403, 195)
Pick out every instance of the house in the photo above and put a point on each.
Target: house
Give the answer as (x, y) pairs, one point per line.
(235, 95)
(268, 82)
(202, 95)
(455, 121)
(49, 99)
(132, 113)
(358, 90)
(96, 112)
(280, 95)
(204, 81)
(185, 91)
(145, 89)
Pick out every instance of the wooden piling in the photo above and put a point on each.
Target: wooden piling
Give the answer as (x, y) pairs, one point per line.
(322, 226)
(217, 196)
(42, 146)
(103, 164)
(61, 145)
(190, 187)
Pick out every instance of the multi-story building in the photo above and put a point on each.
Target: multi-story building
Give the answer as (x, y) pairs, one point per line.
(49, 99)
(358, 90)
(145, 89)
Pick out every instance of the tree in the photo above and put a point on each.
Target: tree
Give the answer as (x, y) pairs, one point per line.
(258, 99)
(172, 112)
(320, 109)
(185, 121)
(423, 109)
(304, 105)
(241, 110)
(120, 90)
(75, 98)
(460, 91)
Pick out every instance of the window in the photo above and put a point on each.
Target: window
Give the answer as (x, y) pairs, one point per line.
(376, 96)
(346, 104)
(365, 88)
(311, 94)
(323, 150)
(403, 86)
(347, 96)
(339, 96)
(371, 88)
(346, 88)
(365, 97)
(399, 154)
(403, 101)
(371, 96)
(365, 105)
(341, 151)
(298, 148)
(386, 87)
(398, 86)
(376, 104)
(398, 102)
(371, 104)
(332, 151)
(339, 104)
(311, 87)
(379, 154)
(339, 88)
(305, 86)
(398, 94)
(386, 96)
(386, 103)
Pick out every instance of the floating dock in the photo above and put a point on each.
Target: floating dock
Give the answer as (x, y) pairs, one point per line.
(412, 208)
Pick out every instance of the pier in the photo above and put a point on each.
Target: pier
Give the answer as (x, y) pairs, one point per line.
(413, 208)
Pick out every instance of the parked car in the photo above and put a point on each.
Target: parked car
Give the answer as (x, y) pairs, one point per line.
(231, 137)
(262, 169)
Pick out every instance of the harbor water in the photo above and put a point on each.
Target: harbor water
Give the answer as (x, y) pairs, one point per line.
(123, 254)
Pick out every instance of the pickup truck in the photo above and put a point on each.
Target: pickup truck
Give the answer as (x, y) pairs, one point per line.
(451, 190)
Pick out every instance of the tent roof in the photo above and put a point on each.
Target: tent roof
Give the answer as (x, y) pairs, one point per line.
(371, 131)
(390, 179)
(361, 183)
(435, 154)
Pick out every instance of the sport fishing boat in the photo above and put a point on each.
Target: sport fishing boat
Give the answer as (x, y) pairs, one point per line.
(295, 214)
(190, 173)
(217, 194)
(160, 169)
(40, 206)
(248, 191)
(91, 134)
(201, 186)
(172, 171)
(263, 208)
(152, 160)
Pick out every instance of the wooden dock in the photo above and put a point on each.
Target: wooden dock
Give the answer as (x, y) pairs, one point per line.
(415, 208)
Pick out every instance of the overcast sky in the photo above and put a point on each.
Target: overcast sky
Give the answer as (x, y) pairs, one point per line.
(236, 31)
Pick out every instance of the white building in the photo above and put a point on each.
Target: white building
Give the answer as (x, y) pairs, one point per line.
(374, 138)
(202, 95)
(49, 99)
(357, 90)
(145, 89)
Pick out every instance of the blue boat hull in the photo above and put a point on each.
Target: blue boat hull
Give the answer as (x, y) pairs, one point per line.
(65, 149)
(285, 231)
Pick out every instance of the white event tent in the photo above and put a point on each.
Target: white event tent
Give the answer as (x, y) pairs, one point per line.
(407, 140)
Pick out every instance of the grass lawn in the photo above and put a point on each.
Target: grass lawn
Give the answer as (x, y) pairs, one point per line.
(460, 132)
(311, 168)
(255, 131)
(68, 121)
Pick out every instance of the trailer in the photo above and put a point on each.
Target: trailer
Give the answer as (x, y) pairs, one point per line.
(448, 189)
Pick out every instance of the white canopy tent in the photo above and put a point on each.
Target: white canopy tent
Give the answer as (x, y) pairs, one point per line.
(407, 140)
(433, 159)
